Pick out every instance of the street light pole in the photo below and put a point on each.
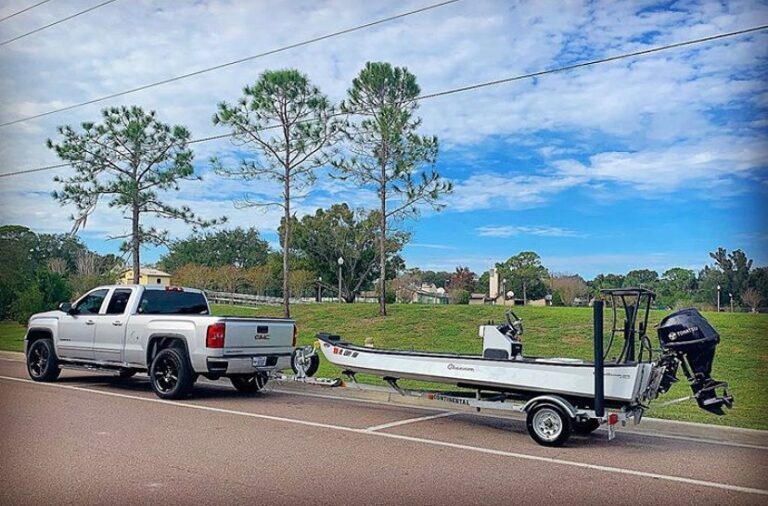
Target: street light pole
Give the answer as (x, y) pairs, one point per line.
(319, 289)
(340, 262)
(731, 296)
(504, 292)
(718, 298)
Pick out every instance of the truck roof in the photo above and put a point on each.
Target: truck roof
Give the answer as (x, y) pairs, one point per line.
(152, 287)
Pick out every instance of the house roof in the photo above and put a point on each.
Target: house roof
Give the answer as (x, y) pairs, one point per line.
(148, 271)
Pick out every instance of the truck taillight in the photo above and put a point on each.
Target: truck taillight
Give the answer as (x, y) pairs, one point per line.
(295, 335)
(215, 335)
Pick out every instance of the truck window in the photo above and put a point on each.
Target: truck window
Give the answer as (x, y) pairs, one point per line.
(172, 302)
(119, 301)
(91, 303)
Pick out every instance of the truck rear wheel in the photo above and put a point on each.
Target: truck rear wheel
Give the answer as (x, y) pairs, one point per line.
(548, 424)
(170, 374)
(42, 362)
(249, 383)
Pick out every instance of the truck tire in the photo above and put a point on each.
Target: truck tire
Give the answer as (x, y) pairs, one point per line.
(585, 427)
(42, 362)
(170, 374)
(548, 424)
(249, 383)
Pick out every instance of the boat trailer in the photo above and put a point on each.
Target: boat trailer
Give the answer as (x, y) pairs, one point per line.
(559, 396)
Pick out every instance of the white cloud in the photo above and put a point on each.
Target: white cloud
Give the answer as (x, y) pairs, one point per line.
(650, 124)
(497, 191)
(512, 230)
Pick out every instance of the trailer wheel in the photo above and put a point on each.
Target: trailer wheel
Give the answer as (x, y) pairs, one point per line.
(306, 361)
(548, 424)
(585, 427)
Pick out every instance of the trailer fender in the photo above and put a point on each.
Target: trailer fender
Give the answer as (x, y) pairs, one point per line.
(554, 399)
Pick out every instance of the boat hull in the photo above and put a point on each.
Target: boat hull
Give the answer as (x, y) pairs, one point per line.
(568, 377)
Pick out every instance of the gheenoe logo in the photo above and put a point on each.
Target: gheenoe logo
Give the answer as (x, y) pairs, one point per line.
(454, 367)
(675, 335)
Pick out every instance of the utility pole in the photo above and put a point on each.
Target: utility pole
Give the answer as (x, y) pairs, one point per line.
(341, 263)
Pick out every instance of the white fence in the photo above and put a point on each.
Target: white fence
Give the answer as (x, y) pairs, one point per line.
(244, 299)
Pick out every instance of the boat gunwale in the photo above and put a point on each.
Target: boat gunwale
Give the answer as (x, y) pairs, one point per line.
(427, 354)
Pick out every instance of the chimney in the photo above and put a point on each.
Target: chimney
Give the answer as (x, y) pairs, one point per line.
(493, 284)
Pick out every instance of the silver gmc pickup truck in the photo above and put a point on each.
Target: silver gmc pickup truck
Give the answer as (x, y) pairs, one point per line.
(167, 331)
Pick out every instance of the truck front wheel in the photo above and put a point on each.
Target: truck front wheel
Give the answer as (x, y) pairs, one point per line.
(42, 363)
(170, 374)
(249, 383)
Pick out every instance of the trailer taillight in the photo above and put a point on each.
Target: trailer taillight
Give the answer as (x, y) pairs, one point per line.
(613, 419)
(295, 335)
(215, 336)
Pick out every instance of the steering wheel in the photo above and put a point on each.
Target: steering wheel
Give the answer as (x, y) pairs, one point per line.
(517, 324)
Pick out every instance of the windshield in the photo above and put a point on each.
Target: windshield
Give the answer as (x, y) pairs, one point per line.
(172, 302)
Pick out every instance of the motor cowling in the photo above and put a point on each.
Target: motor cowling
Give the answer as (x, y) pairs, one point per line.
(688, 337)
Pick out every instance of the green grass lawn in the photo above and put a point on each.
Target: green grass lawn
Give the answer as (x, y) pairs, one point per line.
(11, 336)
(741, 360)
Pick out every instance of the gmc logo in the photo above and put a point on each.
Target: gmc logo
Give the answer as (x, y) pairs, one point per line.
(261, 336)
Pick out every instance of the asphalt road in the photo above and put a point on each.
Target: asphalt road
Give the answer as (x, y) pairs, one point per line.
(94, 439)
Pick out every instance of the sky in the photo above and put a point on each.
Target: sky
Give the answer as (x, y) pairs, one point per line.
(648, 162)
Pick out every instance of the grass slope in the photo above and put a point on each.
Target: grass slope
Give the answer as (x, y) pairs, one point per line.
(741, 360)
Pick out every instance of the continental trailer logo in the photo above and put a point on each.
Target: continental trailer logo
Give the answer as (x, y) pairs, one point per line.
(456, 367)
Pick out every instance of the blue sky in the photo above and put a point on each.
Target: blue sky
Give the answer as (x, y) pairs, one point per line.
(650, 162)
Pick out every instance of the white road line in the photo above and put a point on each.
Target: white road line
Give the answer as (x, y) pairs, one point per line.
(489, 451)
(407, 421)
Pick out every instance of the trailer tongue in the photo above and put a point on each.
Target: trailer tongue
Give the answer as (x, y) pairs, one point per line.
(561, 395)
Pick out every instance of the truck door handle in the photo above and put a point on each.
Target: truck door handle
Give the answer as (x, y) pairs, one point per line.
(117, 323)
(90, 322)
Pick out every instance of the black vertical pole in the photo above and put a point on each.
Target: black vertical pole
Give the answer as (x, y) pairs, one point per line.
(599, 390)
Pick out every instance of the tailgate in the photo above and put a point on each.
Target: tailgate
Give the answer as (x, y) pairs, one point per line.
(257, 335)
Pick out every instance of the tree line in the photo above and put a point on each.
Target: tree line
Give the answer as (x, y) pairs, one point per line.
(286, 130)
(730, 276)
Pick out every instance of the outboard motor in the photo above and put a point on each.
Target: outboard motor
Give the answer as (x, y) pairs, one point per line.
(687, 338)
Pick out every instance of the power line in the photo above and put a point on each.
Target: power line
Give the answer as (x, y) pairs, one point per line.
(488, 83)
(597, 62)
(233, 62)
(22, 11)
(62, 20)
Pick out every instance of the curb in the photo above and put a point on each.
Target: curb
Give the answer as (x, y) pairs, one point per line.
(659, 427)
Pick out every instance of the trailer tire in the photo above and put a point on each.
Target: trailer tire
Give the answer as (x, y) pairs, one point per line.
(585, 427)
(548, 424)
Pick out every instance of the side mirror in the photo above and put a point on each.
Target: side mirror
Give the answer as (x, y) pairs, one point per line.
(67, 308)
